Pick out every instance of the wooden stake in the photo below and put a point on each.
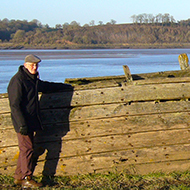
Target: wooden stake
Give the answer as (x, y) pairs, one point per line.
(127, 73)
(183, 61)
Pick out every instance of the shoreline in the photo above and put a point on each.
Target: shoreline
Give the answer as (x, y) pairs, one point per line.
(19, 54)
(12, 46)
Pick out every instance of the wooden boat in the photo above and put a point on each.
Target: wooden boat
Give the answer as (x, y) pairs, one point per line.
(138, 123)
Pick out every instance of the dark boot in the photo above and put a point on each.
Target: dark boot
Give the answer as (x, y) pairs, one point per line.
(18, 181)
(48, 181)
(28, 182)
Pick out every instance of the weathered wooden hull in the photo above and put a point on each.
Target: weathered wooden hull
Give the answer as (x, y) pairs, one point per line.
(107, 124)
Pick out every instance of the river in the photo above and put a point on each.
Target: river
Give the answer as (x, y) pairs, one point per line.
(57, 65)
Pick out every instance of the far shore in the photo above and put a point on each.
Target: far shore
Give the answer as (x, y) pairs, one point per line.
(57, 53)
(12, 46)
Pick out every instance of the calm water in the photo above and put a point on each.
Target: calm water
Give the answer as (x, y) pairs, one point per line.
(57, 65)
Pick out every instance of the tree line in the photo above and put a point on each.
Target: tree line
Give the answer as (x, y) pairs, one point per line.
(144, 29)
(153, 19)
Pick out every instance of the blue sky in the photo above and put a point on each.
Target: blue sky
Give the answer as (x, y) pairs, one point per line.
(54, 12)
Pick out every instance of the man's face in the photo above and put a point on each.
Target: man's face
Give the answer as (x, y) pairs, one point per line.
(32, 67)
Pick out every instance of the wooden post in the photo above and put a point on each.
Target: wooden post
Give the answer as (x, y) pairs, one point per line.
(183, 61)
(127, 73)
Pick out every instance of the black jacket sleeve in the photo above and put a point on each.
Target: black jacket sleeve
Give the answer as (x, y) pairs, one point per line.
(45, 87)
(15, 101)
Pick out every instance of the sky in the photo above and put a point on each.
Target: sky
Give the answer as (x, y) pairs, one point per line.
(54, 12)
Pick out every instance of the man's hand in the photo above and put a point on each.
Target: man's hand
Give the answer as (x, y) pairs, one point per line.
(24, 130)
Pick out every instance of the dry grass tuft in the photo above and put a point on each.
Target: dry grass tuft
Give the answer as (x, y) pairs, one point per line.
(111, 181)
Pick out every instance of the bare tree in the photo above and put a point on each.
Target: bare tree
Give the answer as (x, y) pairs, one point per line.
(166, 18)
(101, 23)
(92, 23)
(140, 18)
(134, 18)
(151, 18)
(74, 23)
(58, 26)
(65, 25)
(145, 18)
(159, 18)
(172, 19)
(113, 21)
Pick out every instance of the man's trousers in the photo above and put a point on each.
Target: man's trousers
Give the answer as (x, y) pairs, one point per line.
(24, 163)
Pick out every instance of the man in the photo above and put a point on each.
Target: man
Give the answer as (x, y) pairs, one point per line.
(23, 99)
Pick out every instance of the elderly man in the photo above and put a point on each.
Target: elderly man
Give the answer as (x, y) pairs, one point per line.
(23, 98)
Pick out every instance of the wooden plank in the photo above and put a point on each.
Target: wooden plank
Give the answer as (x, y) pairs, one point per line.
(154, 160)
(166, 167)
(104, 127)
(137, 123)
(124, 94)
(162, 74)
(62, 99)
(102, 82)
(117, 110)
(140, 81)
(51, 116)
(127, 125)
(86, 84)
(122, 160)
(9, 156)
(103, 162)
(120, 142)
(83, 168)
(8, 138)
(91, 127)
(111, 143)
(162, 80)
(103, 111)
(125, 141)
(5, 121)
(4, 105)
(156, 92)
(111, 95)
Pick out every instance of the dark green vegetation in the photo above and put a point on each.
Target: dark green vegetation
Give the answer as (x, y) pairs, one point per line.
(116, 181)
(147, 31)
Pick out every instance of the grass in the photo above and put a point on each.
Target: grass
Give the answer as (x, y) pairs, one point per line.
(112, 181)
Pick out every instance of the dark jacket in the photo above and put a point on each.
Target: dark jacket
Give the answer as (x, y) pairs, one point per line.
(23, 91)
